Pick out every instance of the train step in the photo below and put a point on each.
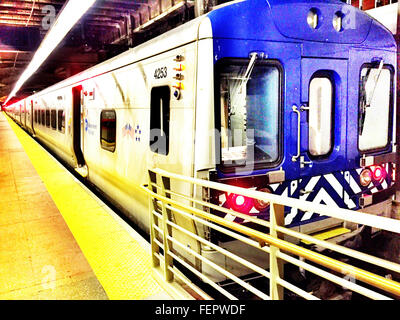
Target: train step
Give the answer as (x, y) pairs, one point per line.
(328, 234)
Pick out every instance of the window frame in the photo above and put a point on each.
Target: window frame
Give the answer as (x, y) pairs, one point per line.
(47, 117)
(59, 123)
(259, 165)
(53, 114)
(323, 74)
(391, 109)
(43, 117)
(100, 137)
(168, 119)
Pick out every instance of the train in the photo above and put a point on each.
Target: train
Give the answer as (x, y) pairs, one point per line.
(291, 97)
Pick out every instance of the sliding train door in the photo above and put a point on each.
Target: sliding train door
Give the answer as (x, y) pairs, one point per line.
(321, 137)
(77, 128)
(32, 117)
(24, 110)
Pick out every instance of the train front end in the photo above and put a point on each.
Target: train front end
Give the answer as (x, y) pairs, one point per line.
(304, 107)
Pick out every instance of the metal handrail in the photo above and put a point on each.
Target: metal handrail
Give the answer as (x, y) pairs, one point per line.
(340, 281)
(277, 245)
(339, 213)
(326, 244)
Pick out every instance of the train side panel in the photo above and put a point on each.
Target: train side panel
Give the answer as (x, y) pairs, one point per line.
(48, 111)
(129, 93)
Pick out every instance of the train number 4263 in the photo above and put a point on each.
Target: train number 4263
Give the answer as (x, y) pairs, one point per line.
(160, 73)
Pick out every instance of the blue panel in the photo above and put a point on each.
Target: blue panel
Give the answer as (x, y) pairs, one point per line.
(292, 22)
(239, 21)
(337, 70)
(279, 29)
(289, 59)
(281, 20)
(357, 58)
(254, 25)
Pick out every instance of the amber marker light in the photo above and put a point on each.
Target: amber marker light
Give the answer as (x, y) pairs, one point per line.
(261, 205)
(365, 177)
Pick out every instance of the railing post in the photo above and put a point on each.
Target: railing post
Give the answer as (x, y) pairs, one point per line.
(275, 265)
(167, 231)
(153, 220)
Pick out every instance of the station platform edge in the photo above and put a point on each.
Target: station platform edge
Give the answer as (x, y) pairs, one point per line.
(118, 256)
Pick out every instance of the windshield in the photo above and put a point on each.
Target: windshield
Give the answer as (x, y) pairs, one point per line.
(249, 113)
(373, 124)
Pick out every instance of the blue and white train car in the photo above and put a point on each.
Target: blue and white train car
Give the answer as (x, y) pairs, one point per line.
(294, 97)
(304, 101)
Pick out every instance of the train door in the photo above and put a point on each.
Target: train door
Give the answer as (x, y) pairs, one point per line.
(322, 115)
(32, 117)
(77, 124)
(171, 140)
(321, 140)
(28, 115)
(24, 115)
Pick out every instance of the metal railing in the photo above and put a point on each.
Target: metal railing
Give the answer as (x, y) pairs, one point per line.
(168, 250)
(377, 3)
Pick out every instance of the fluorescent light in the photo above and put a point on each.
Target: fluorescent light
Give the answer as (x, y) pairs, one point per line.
(67, 18)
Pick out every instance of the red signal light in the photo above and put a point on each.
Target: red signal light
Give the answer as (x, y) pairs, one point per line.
(240, 203)
(379, 173)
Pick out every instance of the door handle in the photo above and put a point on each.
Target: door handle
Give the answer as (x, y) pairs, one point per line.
(304, 107)
(297, 156)
(295, 110)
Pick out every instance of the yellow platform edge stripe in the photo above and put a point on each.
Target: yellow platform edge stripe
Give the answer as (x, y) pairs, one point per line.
(120, 264)
(325, 235)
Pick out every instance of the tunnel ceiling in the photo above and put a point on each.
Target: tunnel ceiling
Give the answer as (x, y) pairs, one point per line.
(108, 28)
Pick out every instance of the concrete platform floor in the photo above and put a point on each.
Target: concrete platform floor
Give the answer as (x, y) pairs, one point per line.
(39, 257)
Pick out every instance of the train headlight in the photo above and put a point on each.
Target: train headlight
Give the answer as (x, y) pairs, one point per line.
(313, 18)
(365, 177)
(337, 21)
(262, 205)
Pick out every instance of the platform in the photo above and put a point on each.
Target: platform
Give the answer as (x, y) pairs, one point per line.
(58, 240)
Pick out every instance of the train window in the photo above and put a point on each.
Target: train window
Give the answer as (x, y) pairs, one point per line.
(374, 107)
(320, 116)
(48, 118)
(61, 121)
(159, 119)
(35, 117)
(53, 119)
(108, 130)
(249, 102)
(43, 117)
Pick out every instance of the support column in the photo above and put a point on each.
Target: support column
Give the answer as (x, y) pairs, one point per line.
(276, 264)
(397, 109)
(199, 6)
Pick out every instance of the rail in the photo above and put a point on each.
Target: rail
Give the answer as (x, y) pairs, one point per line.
(377, 3)
(169, 252)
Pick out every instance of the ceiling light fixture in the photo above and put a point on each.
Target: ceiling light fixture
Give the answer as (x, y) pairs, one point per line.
(67, 18)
